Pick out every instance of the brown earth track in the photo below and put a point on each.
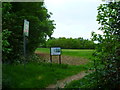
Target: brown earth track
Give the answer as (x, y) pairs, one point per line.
(65, 59)
(62, 83)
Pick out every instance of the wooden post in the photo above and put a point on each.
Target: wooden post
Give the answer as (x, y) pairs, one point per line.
(59, 59)
(51, 58)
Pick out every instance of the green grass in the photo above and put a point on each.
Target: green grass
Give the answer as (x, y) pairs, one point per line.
(78, 52)
(88, 81)
(36, 75)
(44, 50)
(85, 53)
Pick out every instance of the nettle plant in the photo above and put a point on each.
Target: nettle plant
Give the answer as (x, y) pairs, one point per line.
(107, 55)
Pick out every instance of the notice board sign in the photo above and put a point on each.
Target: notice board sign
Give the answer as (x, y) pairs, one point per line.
(26, 27)
(55, 51)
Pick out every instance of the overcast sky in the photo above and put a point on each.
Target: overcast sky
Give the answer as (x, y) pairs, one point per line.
(74, 18)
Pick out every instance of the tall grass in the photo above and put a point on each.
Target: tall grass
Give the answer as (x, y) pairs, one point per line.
(34, 75)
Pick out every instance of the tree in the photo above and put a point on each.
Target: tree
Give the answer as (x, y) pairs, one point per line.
(76, 43)
(40, 26)
(108, 50)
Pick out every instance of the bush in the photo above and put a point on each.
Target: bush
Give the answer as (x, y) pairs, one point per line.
(107, 56)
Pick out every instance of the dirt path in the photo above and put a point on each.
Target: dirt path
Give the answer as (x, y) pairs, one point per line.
(62, 83)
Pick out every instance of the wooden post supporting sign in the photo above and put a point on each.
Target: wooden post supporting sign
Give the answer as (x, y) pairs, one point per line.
(59, 59)
(51, 58)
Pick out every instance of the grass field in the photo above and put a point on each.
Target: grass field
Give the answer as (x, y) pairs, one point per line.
(86, 53)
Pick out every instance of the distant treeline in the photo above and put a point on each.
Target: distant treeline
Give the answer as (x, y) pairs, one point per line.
(76, 43)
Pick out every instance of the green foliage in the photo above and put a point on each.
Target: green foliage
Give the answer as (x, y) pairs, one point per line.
(36, 75)
(70, 43)
(107, 56)
(5, 44)
(13, 15)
